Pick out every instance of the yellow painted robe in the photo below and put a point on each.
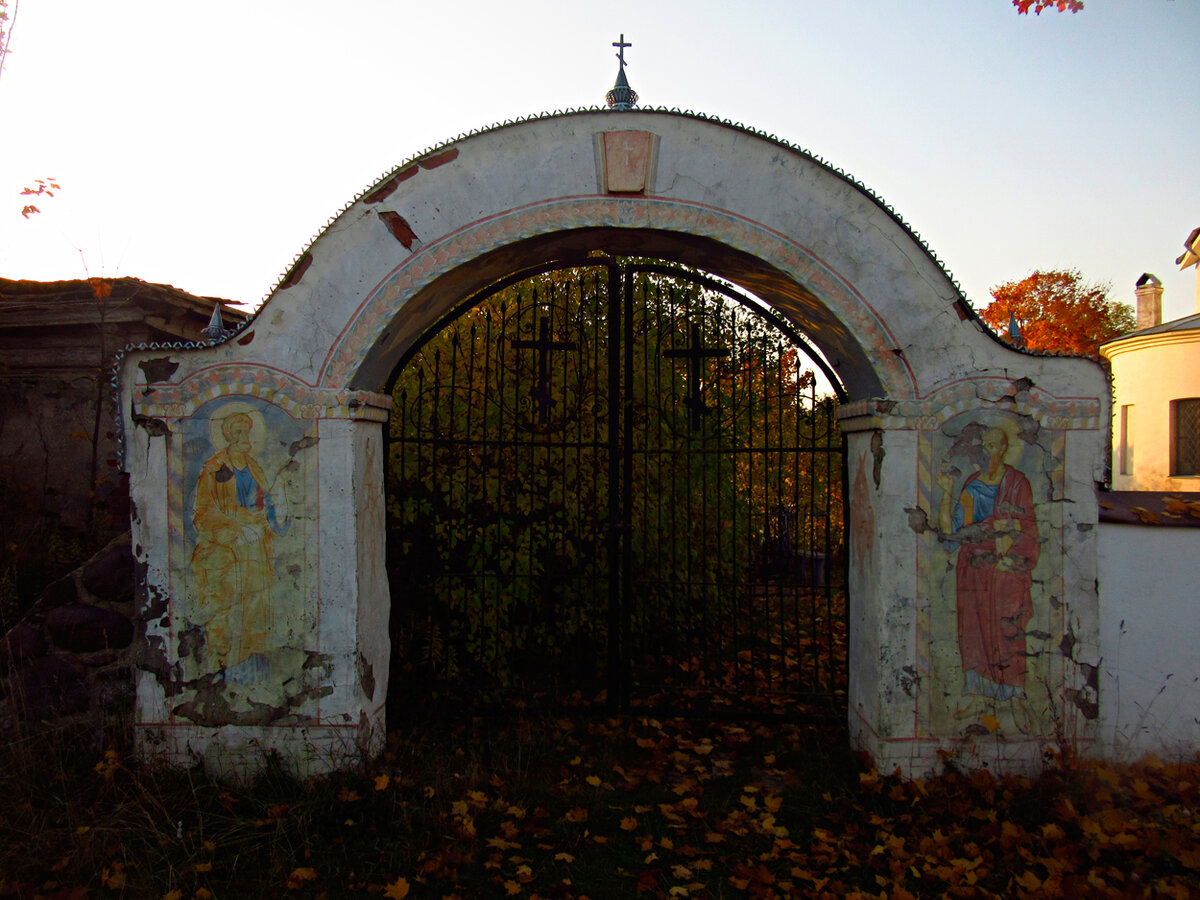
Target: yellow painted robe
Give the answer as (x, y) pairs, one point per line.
(232, 562)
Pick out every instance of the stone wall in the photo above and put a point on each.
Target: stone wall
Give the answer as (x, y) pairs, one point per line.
(70, 658)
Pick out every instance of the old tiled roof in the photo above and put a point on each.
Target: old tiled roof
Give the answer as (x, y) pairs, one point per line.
(51, 303)
(1165, 508)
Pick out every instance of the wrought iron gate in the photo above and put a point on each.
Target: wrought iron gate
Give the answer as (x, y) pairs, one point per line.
(615, 479)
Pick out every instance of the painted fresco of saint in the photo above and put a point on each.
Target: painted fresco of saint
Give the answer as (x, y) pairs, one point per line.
(237, 516)
(993, 527)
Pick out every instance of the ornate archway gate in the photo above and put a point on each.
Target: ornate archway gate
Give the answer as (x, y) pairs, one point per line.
(256, 462)
(616, 477)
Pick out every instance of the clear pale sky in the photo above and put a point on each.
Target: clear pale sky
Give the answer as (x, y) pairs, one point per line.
(205, 145)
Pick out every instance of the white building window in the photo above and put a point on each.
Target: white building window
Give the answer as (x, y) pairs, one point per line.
(1126, 448)
(1185, 436)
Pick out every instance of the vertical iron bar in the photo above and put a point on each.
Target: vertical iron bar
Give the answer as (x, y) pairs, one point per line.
(490, 542)
(627, 497)
(671, 641)
(616, 639)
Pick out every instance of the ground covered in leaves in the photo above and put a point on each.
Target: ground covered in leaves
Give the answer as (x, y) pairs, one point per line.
(600, 808)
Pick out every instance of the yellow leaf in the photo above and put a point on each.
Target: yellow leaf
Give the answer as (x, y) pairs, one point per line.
(629, 823)
(397, 890)
(202, 894)
(381, 782)
(512, 887)
(564, 857)
(297, 879)
(173, 895)
(113, 878)
(1029, 881)
(577, 814)
(203, 867)
(1189, 858)
(347, 796)
(990, 722)
(429, 792)
(593, 780)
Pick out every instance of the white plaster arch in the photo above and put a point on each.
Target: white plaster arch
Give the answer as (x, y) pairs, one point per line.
(829, 255)
(826, 254)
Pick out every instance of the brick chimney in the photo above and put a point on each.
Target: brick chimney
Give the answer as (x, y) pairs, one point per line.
(1149, 293)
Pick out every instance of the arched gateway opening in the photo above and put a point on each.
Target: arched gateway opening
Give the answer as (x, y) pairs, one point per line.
(615, 483)
(257, 464)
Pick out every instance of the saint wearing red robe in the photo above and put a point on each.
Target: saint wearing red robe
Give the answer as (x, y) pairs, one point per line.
(993, 526)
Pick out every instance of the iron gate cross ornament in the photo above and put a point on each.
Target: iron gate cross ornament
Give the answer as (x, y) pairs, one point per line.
(543, 345)
(695, 354)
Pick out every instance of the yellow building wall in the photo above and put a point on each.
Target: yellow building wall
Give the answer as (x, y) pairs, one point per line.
(1148, 373)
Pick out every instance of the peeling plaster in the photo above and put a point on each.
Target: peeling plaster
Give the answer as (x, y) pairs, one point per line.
(160, 368)
(153, 427)
(366, 677)
(878, 453)
(297, 272)
(386, 189)
(399, 228)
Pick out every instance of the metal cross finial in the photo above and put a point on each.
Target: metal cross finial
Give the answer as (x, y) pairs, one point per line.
(621, 45)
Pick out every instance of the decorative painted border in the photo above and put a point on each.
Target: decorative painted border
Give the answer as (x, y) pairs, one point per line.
(299, 400)
(933, 411)
(383, 302)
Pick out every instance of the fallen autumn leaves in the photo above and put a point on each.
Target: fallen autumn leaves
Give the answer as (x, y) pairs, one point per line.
(629, 807)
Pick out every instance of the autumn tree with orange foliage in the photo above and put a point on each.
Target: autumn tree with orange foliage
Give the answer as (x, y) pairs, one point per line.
(1057, 311)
